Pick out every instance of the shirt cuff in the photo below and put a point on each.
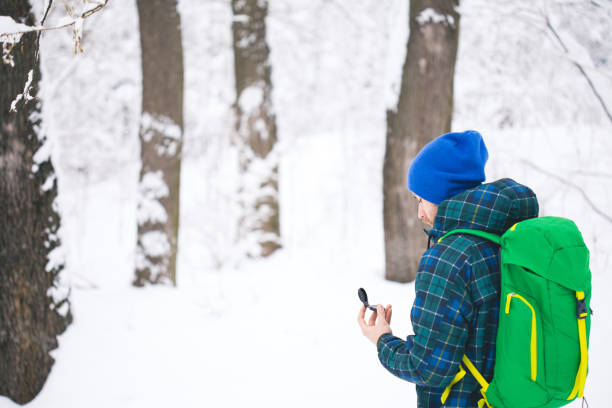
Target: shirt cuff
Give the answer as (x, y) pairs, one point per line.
(382, 339)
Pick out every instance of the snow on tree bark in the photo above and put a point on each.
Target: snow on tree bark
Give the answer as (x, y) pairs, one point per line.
(424, 111)
(34, 307)
(259, 229)
(161, 132)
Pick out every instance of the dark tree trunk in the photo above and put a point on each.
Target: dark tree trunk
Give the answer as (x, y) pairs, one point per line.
(161, 134)
(424, 111)
(259, 229)
(33, 311)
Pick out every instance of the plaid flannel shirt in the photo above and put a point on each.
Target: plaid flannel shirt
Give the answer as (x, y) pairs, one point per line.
(456, 309)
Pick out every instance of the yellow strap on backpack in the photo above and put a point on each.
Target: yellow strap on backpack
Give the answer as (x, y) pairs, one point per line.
(482, 402)
(457, 378)
(481, 380)
(534, 332)
(582, 368)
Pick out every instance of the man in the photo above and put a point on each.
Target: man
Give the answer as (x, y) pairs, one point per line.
(456, 308)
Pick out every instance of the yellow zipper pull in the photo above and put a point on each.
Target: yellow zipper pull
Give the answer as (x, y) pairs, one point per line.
(508, 300)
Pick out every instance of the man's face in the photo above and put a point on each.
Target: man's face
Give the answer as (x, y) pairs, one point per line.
(427, 211)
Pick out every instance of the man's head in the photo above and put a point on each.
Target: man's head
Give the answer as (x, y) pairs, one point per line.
(446, 166)
(426, 211)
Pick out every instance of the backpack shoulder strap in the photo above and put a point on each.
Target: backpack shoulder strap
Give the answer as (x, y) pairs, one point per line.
(482, 234)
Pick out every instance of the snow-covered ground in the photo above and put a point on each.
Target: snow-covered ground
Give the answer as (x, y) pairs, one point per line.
(282, 332)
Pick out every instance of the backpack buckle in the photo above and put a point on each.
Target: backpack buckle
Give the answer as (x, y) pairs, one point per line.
(581, 309)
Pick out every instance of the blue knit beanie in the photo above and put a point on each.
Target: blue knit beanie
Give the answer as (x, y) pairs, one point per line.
(448, 165)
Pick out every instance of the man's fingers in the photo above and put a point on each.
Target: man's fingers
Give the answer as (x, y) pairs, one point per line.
(389, 312)
(372, 320)
(361, 314)
(380, 311)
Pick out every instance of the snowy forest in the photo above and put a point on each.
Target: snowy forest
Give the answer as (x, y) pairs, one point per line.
(192, 191)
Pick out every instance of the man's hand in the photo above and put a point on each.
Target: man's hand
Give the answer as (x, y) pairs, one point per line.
(378, 324)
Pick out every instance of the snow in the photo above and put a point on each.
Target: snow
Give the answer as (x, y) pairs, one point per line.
(7, 46)
(244, 42)
(261, 128)
(61, 291)
(430, 15)
(155, 243)
(240, 18)
(161, 124)
(49, 182)
(395, 53)
(254, 188)
(10, 34)
(251, 98)
(26, 93)
(169, 130)
(282, 332)
(9, 26)
(63, 309)
(152, 188)
(56, 257)
(42, 155)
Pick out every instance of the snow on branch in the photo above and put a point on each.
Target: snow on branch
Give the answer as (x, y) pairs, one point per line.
(11, 31)
(10, 35)
(8, 26)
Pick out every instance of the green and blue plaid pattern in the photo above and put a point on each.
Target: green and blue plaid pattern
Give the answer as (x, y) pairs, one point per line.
(456, 309)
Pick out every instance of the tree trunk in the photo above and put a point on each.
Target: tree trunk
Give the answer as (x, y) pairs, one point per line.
(161, 133)
(424, 111)
(259, 229)
(33, 309)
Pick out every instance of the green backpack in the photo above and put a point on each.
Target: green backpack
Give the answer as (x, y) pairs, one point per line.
(544, 317)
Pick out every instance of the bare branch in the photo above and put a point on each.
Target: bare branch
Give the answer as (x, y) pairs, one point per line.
(94, 10)
(42, 22)
(572, 185)
(581, 69)
(40, 28)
